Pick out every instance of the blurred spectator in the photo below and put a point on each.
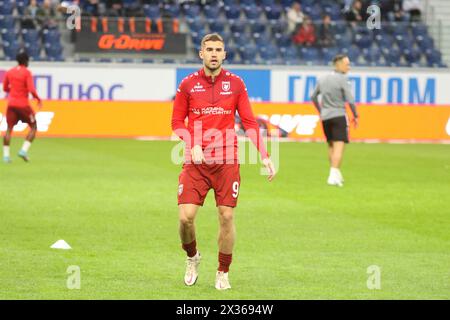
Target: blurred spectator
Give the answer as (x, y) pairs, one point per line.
(114, 8)
(392, 10)
(306, 34)
(325, 36)
(355, 16)
(295, 17)
(46, 15)
(29, 18)
(414, 8)
(91, 8)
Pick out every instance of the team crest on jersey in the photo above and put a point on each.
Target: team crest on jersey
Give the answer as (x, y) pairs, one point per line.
(226, 86)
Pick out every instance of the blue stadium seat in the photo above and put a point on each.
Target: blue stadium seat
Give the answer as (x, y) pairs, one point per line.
(363, 40)
(425, 43)
(51, 36)
(252, 13)
(195, 25)
(371, 55)
(267, 3)
(340, 27)
(172, 10)
(10, 49)
(434, 58)
(329, 53)
(33, 50)
(343, 40)
(237, 26)
(261, 39)
(152, 11)
(191, 10)
(212, 11)
(229, 2)
(273, 12)
(258, 27)
(333, 10)
(412, 56)
(404, 42)
(7, 22)
(232, 12)
(269, 54)
(287, 3)
(217, 25)
(419, 29)
(290, 55)
(315, 13)
(241, 39)
(6, 7)
(283, 40)
(231, 54)
(248, 54)
(352, 52)
(197, 37)
(279, 27)
(384, 40)
(311, 55)
(9, 35)
(21, 5)
(30, 35)
(392, 56)
(53, 50)
(248, 2)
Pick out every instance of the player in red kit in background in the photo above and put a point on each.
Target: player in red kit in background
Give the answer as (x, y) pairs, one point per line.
(18, 84)
(209, 98)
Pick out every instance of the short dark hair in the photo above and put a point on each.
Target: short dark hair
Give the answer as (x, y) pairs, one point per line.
(211, 37)
(339, 57)
(22, 58)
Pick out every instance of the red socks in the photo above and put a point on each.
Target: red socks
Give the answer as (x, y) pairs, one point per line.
(224, 261)
(190, 248)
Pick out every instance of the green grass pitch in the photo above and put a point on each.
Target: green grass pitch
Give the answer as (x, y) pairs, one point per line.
(114, 202)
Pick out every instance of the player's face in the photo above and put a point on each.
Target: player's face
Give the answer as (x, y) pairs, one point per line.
(344, 65)
(212, 54)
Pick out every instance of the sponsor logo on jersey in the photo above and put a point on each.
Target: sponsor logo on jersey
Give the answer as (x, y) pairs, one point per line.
(215, 111)
(195, 111)
(198, 88)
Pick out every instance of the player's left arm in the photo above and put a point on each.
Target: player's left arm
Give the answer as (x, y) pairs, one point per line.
(6, 87)
(31, 89)
(252, 130)
(351, 100)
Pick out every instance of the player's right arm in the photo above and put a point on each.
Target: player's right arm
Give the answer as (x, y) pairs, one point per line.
(31, 89)
(315, 97)
(179, 113)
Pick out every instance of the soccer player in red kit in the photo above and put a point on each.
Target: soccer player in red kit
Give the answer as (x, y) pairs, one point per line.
(209, 98)
(18, 83)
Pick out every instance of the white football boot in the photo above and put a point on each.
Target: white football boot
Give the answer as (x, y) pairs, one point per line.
(191, 275)
(334, 179)
(222, 282)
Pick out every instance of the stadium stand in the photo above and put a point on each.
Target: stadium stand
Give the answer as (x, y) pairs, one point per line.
(256, 31)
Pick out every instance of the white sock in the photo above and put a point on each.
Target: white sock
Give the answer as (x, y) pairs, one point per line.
(26, 146)
(6, 151)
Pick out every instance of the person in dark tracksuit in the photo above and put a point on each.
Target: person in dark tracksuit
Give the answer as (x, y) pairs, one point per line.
(335, 91)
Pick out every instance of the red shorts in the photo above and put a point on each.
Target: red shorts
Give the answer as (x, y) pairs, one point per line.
(195, 180)
(24, 114)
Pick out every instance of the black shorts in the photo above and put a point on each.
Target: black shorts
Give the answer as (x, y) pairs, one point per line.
(336, 129)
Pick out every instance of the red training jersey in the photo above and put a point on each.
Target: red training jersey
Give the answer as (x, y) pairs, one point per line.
(212, 104)
(18, 82)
